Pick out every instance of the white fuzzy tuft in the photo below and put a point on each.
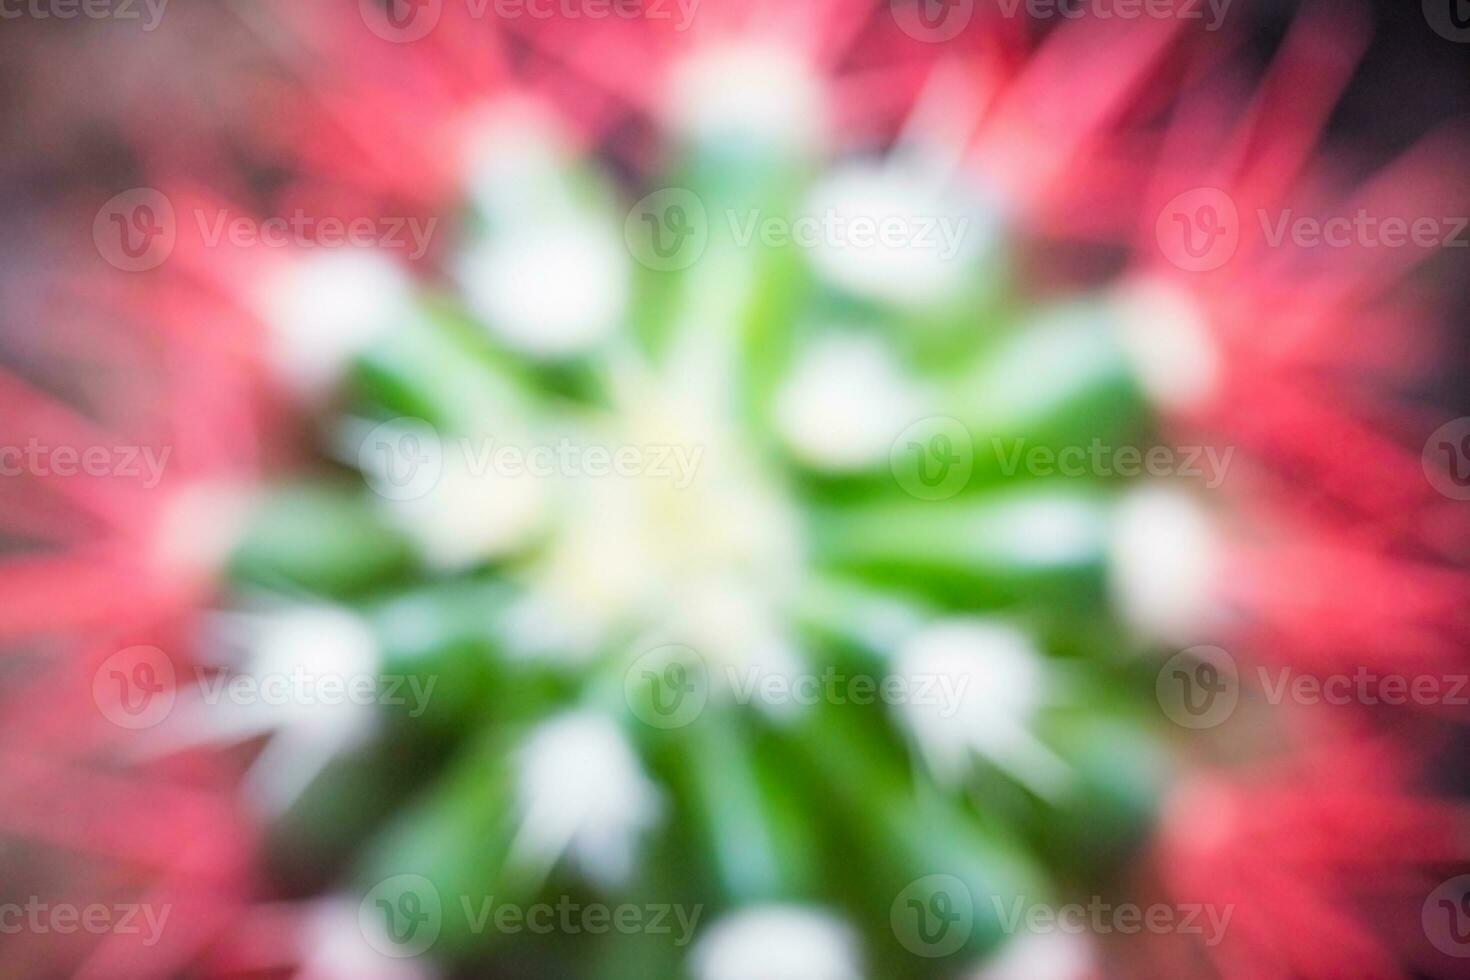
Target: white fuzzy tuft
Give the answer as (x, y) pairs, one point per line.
(468, 517)
(327, 308)
(917, 248)
(747, 94)
(993, 681)
(1165, 336)
(1043, 956)
(1164, 564)
(515, 157)
(321, 640)
(581, 791)
(777, 942)
(334, 948)
(844, 403)
(702, 551)
(199, 527)
(551, 290)
(299, 649)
